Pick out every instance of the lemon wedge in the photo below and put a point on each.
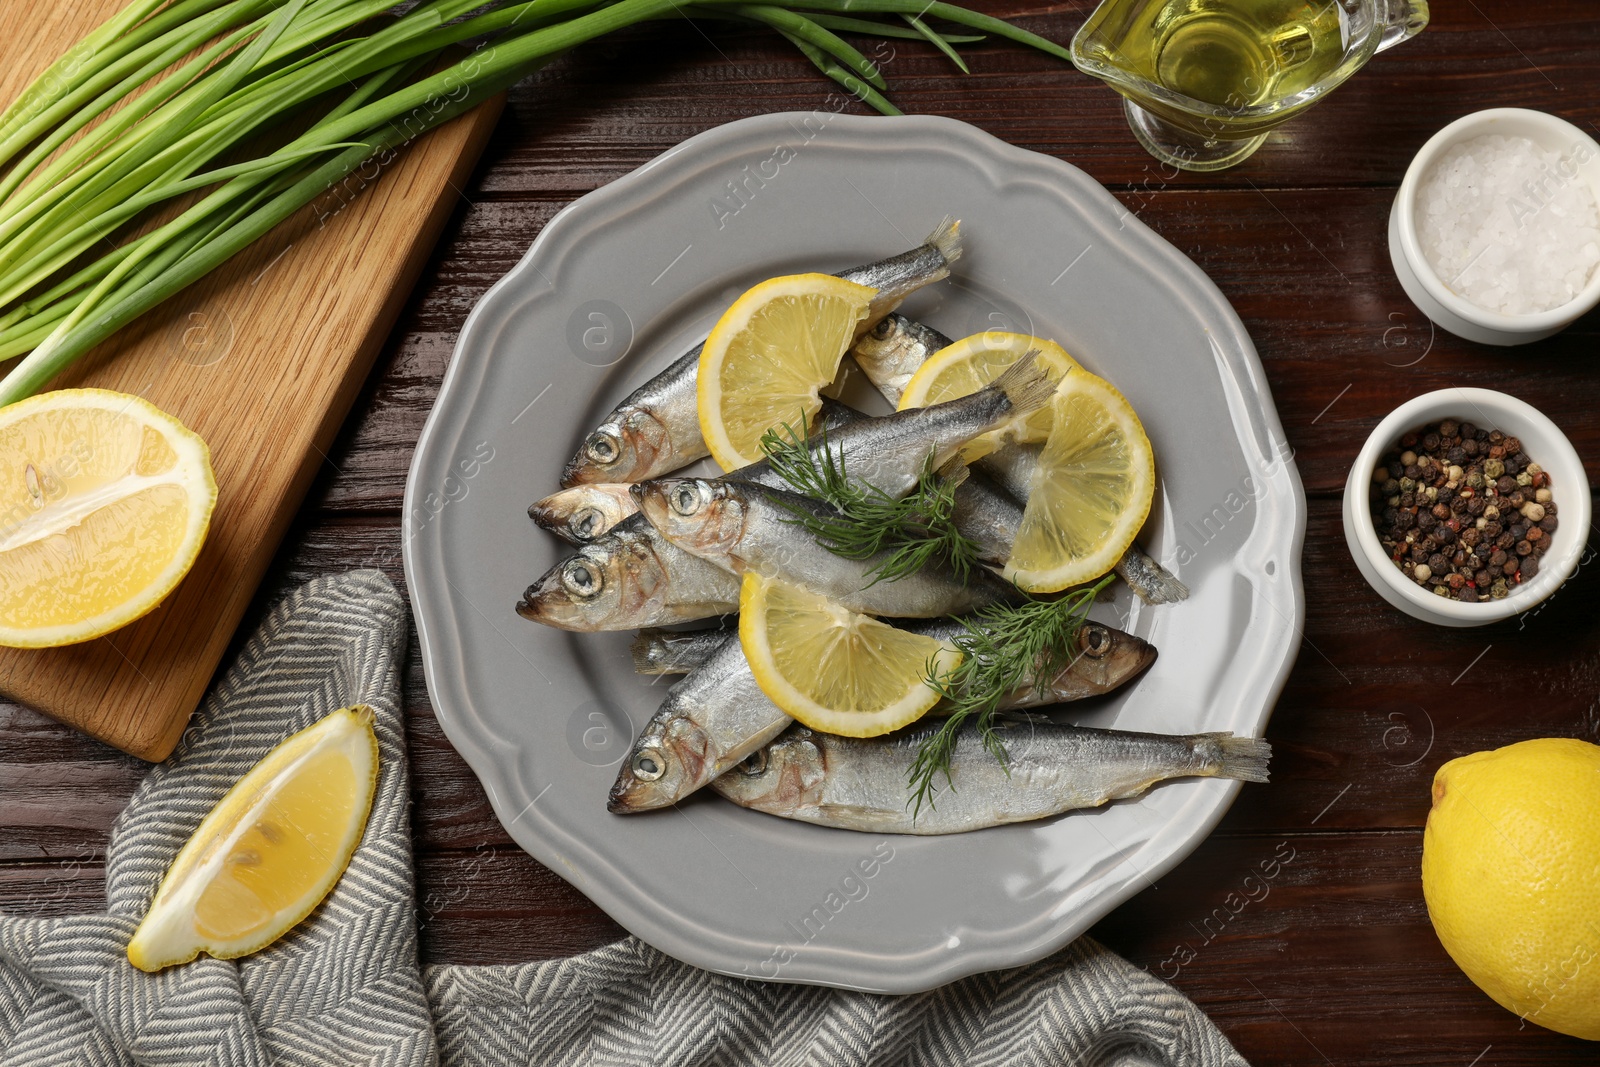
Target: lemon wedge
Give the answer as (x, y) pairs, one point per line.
(768, 357)
(1092, 489)
(831, 668)
(104, 502)
(964, 367)
(271, 849)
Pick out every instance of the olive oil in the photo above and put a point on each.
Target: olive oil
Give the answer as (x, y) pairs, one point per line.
(1230, 53)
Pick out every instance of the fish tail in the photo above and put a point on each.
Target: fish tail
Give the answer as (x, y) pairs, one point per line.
(946, 239)
(1244, 758)
(650, 654)
(954, 471)
(1026, 385)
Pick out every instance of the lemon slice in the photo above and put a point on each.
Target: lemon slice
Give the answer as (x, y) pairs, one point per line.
(270, 850)
(104, 501)
(831, 668)
(1091, 492)
(971, 363)
(768, 357)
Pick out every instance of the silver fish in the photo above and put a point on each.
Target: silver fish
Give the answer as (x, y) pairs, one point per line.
(719, 715)
(984, 513)
(583, 513)
(745, 527)
(657, 428)
(588, 512)
(890, 453)
(631, 577)
(890, 353)
(1106, 659)
(856, 784)
(710, 721)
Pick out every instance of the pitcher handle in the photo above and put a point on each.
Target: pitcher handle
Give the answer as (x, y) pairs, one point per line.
(1402, 20)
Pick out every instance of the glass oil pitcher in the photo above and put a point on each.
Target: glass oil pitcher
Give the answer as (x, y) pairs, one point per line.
(1204, 80)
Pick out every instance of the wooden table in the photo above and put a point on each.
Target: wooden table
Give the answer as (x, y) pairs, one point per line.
(1333, 959)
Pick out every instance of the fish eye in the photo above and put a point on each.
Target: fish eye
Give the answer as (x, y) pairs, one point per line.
(603, 447)
(1094, 640)
(648, 765)
(586, 524)
(582, 579)
(882, 331)
(755, 764)
(686, 498)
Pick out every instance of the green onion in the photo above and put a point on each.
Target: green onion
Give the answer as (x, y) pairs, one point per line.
(172, 99)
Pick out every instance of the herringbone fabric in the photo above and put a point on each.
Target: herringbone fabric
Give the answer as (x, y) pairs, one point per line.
(345, 988)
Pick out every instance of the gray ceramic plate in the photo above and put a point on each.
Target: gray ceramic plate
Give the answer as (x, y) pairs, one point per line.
(633, 274)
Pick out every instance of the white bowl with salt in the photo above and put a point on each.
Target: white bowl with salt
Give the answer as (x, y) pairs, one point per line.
(1495, 233)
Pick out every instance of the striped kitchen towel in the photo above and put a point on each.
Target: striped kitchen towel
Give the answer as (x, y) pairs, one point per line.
(345, 986)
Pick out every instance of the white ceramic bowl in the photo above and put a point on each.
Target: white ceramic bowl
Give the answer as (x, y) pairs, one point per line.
(1455, 313)
(1545, 444)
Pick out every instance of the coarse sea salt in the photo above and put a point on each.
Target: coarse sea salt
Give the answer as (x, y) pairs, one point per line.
(1508, 224)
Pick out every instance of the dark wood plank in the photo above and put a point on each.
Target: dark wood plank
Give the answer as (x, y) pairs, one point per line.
(611, 106)
(1316, 948)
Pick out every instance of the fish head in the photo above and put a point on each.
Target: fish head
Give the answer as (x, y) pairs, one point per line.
(1107, 657)
(669, 760)
(583, 513)
(601, 587)
(700, 516)
(630, 445)
(783, 777)
(884, 343)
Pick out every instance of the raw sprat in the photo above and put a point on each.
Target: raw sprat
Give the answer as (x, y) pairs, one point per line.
(657, 428)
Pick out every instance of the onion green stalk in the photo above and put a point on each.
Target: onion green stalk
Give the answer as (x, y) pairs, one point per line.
(175, 99)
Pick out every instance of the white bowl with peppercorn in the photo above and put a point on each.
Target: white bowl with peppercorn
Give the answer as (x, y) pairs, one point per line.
(1466, 506)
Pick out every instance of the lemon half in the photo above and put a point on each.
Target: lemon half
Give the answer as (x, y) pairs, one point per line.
(831, 668)
(769, 356)
(104, 502)
(271, 849)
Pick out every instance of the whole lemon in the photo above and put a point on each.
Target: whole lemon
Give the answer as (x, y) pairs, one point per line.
(1511, 874)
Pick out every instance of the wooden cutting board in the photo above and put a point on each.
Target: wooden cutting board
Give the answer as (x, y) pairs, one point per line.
(263, 359)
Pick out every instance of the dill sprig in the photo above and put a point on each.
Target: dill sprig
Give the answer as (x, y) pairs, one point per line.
(1004, 648)
(915, 530)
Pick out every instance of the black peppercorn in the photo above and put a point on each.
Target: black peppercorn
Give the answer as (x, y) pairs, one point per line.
(1475, 506)
(1530, 567)
(1548, 524)
(1524, 547)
